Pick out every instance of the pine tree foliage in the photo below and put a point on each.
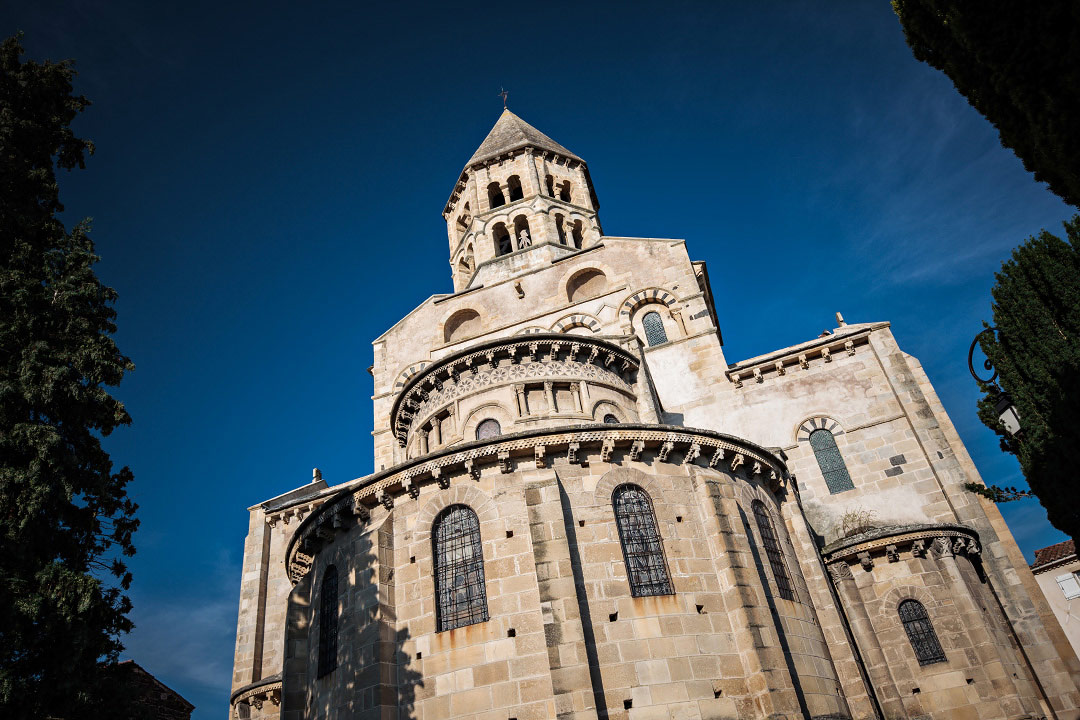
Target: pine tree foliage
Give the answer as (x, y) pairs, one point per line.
(1018, 64)
(1036, 351)
(66, 522)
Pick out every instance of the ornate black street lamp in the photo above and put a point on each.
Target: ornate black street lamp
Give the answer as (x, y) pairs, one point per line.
(1003, 404)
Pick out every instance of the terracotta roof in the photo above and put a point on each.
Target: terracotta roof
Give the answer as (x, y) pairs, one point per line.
(1050, 555)
(510, 133)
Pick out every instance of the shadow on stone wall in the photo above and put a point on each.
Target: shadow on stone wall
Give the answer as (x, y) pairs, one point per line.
(583, 603)
(780, 634)
(375, 677)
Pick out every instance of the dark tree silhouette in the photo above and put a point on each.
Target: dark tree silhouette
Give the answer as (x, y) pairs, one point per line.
(65, 519)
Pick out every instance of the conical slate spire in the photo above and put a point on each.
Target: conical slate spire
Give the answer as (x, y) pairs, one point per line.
(510, 133)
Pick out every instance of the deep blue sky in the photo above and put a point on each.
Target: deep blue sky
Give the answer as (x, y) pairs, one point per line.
(268, 182)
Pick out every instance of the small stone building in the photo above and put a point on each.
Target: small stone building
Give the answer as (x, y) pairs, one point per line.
(1057, 570)
(582, 510)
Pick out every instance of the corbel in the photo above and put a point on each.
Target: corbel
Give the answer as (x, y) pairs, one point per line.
(691, 454)
(716, 457)
(606, 448)
(636, 448)
(666, 448)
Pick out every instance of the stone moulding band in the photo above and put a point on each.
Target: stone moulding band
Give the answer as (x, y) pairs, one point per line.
(255, 694)
(672, 444)
(414, 396)
(920, 539)
(798, 357)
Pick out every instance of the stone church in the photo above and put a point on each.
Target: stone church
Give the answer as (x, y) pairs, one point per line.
(583, 510)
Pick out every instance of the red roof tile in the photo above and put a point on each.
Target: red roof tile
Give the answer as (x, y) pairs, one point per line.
(1052, 554)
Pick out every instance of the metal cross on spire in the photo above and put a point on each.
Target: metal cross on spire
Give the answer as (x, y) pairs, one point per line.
(502, 93)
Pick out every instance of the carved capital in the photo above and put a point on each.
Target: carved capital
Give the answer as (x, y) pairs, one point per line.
(840, 571)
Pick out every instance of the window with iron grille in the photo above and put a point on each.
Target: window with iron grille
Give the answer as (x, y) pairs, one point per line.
(830, 461)
(921, 633)
(654, 328)
(328, 621)
(642, 549)
(460, 597)
(610, 419)
(488, 429)
(772, 550)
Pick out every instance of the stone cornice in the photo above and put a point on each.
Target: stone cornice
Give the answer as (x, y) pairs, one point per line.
(258, 692)
(1054, 564)
(799, 357)
(577, 350)
(353, 502)
(920, 539)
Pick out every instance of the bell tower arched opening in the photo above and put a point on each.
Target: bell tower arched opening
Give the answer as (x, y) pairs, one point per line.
(514, 185)
(522, 234)
(503, 243)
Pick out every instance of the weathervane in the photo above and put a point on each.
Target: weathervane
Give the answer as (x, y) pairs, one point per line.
(502, 93)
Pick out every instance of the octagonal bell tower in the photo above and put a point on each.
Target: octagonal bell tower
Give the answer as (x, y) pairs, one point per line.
(521, 201)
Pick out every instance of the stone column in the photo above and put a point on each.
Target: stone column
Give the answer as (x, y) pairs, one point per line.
(531, 160)
(522, 405)
(575, 393)
(877, 666)
(567, 653)
(765, 677)
(550, 397)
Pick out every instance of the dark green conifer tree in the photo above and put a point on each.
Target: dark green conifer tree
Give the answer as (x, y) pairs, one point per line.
(1036, 351)
(1017, 63)
(65, 519)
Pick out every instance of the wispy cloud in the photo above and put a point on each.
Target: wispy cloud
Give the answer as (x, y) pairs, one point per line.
(186, 639)
(938, 210)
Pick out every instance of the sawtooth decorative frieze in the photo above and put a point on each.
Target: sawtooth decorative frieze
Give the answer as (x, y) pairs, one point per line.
(676, 446)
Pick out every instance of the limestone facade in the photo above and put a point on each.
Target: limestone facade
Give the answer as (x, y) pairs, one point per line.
(800, 516)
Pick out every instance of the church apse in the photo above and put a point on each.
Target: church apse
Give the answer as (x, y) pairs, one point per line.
(581, 510)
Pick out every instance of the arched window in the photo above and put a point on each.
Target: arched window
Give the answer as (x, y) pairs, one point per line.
(642, 550)
(460, 598)
(495, 195)
(772, 550)
(488, 429)
(920, 633)
(514, 183)
(564, 191)
(830, 461)
(654, 328)
(549, 183)
(328, 617)
(503, 243)
(610, 419)
(576, 234)
(560, 226)
(522, 235)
